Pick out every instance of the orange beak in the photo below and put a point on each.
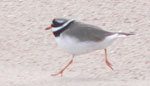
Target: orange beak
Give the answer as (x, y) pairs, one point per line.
(48, 27)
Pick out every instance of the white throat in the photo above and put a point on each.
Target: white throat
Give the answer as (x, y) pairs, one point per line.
(54, 29)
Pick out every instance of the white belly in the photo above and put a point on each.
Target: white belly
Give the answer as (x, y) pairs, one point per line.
(74, 46)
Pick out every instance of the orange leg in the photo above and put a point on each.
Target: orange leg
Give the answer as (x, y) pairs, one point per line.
(106, 60)
(61, 72)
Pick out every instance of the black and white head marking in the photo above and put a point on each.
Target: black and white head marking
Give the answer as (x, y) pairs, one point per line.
(58, 26)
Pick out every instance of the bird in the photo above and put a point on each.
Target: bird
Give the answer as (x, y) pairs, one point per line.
(78, 38)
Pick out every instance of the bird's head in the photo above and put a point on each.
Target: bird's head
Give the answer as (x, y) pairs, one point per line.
(57, 22)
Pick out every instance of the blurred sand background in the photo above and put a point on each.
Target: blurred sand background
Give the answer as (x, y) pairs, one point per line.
(29, 54)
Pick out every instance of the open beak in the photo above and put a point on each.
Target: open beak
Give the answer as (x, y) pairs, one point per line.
(48, 27)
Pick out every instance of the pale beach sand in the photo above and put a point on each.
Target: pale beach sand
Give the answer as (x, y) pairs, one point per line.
(29, 54)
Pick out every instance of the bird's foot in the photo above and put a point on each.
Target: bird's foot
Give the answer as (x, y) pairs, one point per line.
(59, 73)
(109, 64)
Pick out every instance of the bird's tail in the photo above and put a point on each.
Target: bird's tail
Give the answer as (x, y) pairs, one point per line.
(124, 34)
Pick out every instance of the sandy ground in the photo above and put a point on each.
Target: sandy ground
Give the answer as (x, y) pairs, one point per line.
(29, 54)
